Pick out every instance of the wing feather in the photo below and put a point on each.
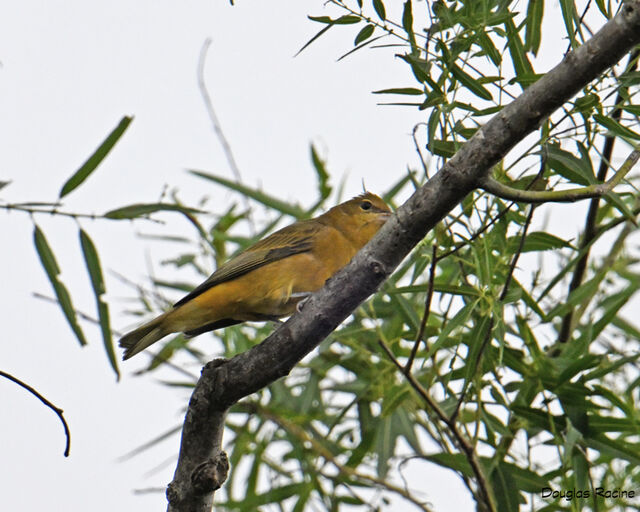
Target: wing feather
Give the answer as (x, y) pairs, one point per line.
(294, 239)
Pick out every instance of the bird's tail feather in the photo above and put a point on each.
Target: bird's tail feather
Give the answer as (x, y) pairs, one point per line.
(144, 336)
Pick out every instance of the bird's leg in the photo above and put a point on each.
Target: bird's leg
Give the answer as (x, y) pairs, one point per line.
(303, 296)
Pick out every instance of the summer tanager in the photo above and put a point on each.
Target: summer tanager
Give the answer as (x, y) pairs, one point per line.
(268, 280)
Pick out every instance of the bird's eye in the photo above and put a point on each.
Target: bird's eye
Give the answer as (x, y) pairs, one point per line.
(366, 205)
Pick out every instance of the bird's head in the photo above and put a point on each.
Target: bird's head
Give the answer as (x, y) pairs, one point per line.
(359, 218)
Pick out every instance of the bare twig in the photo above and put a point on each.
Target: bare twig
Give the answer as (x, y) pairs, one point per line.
(46, 402)
(217, 127)
(592, 213)
(463, 443)
(561, 196)
(427, 309)
(302, 435)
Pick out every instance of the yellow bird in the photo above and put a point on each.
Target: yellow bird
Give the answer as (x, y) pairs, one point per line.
(268, 280)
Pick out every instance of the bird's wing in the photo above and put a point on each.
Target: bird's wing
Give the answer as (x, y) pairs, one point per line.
(294, 239)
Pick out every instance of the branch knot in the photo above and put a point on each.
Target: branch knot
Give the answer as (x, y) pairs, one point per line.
(210, 475)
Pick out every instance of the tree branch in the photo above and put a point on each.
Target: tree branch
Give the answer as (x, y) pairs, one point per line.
(223, 384)
(561, 196)
(57, 410)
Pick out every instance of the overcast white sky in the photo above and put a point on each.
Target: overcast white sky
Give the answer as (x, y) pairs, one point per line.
(69, 71)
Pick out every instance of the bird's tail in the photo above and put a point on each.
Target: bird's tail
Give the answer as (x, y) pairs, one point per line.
(145, 335)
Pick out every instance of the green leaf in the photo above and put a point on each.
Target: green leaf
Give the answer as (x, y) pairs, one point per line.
(615, 449)
(365, 33)
(98, 156)
(407, 24)
(574, 169)
(4, 184)
(134, 211)
(535, 11)
(443, 148)
(615, 127)
(489, 48)
(97, 282)
(505, 489)
(521, 63)
(359, 47)
(322, 31)
(386, 437)
(257, 195)
(600, 424)
(52, 270)
(411, 91)
(458, 320)
(568, 15)
(525, 479)
(537, 241)
(380, 10)
(320, 166)
(456, 461)
(347, 19)
(470, 83)
(582, 292)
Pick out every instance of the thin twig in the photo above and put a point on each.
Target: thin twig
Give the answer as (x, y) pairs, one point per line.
(561, 196)
(418, 150)
(592, 214)
(217, 127)
(427, 309)
(51, 209)
(46, 402)
(461, 440)
(323, 452)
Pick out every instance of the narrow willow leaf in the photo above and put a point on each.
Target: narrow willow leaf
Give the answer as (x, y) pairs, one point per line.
(135, 211)
(489, 48)
(505, 489)
(320, 166)
(364, 34)
(566, 164)
(585, 290)
(322, 31)
(380, 10)
(97, 282)
(458, 320)
(568, 15)
(479, 334)
(455, 461)
(601, 424)
(443, 148)
(359, 47)
(615, 127)
(256, 195)
(407, 24)
(614, 449)
(52, 270)
(411, 91)
(98, 156)
(525, 479)
(4, 184)
(535, 11)
(521, 63)
(385, 445)
(537, 241)
(470, 83)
